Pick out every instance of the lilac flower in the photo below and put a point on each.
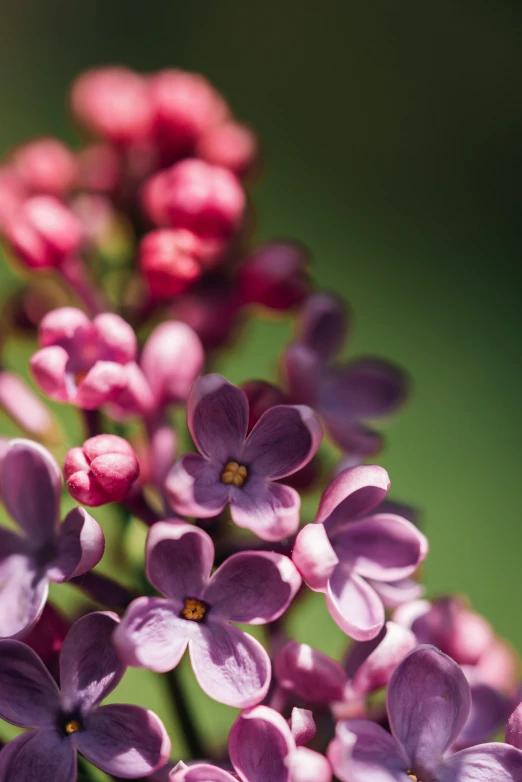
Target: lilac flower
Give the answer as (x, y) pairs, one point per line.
(262, 748)
(30, 487)
(358, 560)
(124, 740)
(239, 469)
(428, 702)
(249, 588)
(344, 395)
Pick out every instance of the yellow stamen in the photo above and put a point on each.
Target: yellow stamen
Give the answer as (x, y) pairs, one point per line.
(412, 776)
(194, 610)
(79, 377)
(234, 473)
(73, 726)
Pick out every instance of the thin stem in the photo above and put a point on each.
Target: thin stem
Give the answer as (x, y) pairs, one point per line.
(92, 421)
(194, 742)
(104, 590)
(73, 272)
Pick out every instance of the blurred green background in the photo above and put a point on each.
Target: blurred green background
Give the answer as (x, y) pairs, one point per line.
(392, 136)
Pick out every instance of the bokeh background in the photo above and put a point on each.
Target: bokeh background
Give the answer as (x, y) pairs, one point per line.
(392, 136)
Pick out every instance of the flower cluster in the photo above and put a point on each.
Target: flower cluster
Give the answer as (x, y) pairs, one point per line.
(143, 240)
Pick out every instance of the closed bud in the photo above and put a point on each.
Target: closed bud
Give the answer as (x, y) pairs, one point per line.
(101, 471)
(168, 260)
(46, 166)
(274, 275)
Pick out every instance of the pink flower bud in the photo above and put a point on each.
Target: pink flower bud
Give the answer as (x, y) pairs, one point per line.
(101, 471)
(274, 275)
(212, 311)
(230, 145)
(114, 103)
(308, 673)
(171, 360)
(44, 232)
(169, 262)
(100, 168)
(12, 194)
(47, 166)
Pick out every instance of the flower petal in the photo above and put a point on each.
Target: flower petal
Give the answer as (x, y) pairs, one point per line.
(323, 324)
(306, 765)
(399, 592)
(490, 710)
(23, 594)
(352, 493)
(151, 634)
(381, 547)
(284, 439)
(31, 488)
(80, 546)
(303, 369)
(354, 605)
(370, 664)
(124, 740)
(89, 666)
(200, 772)
(29, 696)
(350, 435)
(362, 751)
(103, 383)
(365, 388)
(314, 556)
(230, 666)
(308, 673)
(38, 755)
(428, 702)
(259, 742)
(171, 359)
(253, 587)
(194, 487)
(302, 725)
(49, 368)
(270, 510)
(217, 418)
(488, 762)
(179, 558)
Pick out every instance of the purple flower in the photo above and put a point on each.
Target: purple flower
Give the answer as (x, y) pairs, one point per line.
(249, 588)
(30, 487)
(239, 469)
(428, 703)
(124, 740)
(358, 560)
(262, 748)
(344, 395)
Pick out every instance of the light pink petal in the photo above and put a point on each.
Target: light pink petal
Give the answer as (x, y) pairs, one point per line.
(217, 417)
(259, 742)
(399, 592)
(103, 383)
(179, 558)
(200, 772)
(80, 546)
(364, 752)
(302, 724)
(353, 493)
(172, 359)
(37, 756)
(48, 366)
(270, 510)
(29, 696)
(136, 397)
(116, 339)
(194, 487)
(314, 556)
(20, 402)
(354, 605)
(369, 664)
(306, 765)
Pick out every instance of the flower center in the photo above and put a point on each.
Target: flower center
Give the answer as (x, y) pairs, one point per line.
(79, 377)
(194, 609)
(414, 777)
(234, 473)
(73, 726)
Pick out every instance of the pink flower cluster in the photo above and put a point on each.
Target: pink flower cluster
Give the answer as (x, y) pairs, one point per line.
(143, 238)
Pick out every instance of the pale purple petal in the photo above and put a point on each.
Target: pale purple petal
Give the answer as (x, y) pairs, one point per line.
(381, 547)
(306, 765)
(23, 593)
(354, 605)
(302, 725)
(399, 592)
(490, 710)
(89, 667)
(31, 486)
(303, 369)
(230, 666)
(486, 763)
(124, 740)
(49, 368)
(194, 487)
(29, 696)
(38, 756)
(253, 587)
(350, 435)
(364, 752)
(80, 546)
(353, 493)
(270, 510)
(284, 439)
(179, 558)
(217, 417)
(365, 388)
(369, 664)
(314, 556)
(200, 772)
(323, 324)
(308, 673)
(152, 635)
(428, 701)
(259, 742)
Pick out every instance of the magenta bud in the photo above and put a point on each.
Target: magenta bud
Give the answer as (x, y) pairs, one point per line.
(100, 168)
(169, 261)
(44, 232)
(12, 194)
(308, 673)
(101, 471)
(114, 103)
(275, 276)
(261, 397)
(302, 725)
(171, 360)
(46, 166)
(230, 145)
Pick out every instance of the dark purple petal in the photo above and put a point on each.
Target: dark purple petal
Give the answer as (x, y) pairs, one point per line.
(490, 710)
(270, 510)
(352, 436)
(253, 587)
(364, 752)
(353, 493)
(284, 439)
(152, 635)
(230, 666)
(89, 667)
(366, 388)
(38, 756)
(25, 586)
(200, 772)
(323, 324)
(303, 369)
(217, 417)
(308, 673)
(80, 546)
(29, 696)
(259, 742)
(428, 702)
(354, 605)
(381, 547)
(179, 558)
(194, 487)
(31, 486)
(124, 740)
(369, 664)
(487, 763)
